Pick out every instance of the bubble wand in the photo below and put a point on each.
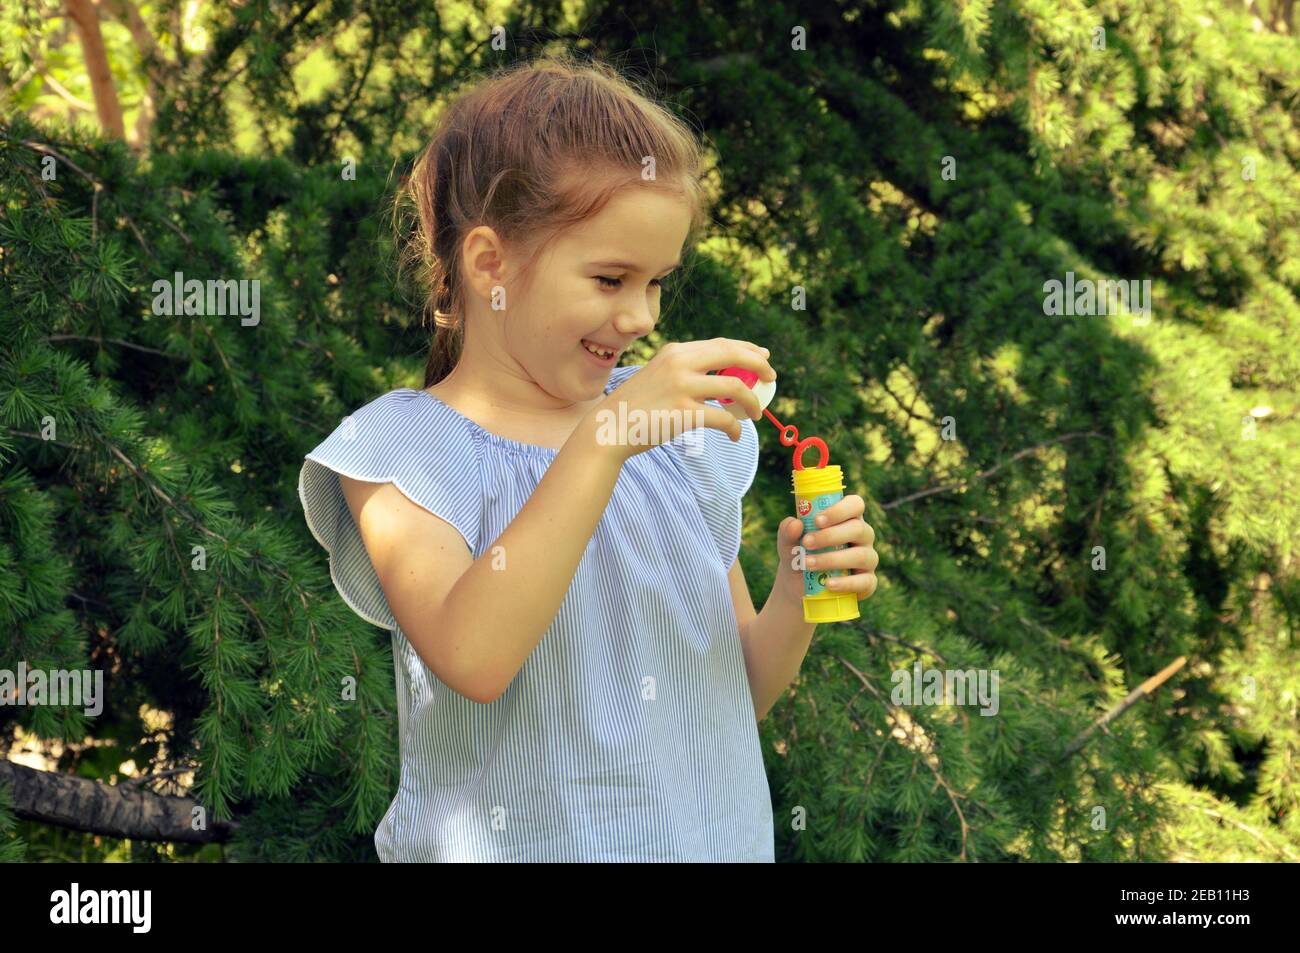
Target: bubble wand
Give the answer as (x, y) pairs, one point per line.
(814, 490)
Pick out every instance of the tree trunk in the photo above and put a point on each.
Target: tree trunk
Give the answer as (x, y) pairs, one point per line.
(86, 16)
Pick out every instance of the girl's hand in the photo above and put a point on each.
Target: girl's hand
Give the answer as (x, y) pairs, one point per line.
(667, 396)
(839, 523)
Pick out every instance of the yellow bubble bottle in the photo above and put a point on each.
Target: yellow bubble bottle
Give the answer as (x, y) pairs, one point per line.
(814, 491)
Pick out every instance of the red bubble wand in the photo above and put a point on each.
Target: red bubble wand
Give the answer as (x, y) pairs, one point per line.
(789, 432)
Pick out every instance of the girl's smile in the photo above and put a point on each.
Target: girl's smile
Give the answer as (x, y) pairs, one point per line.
(608, 361)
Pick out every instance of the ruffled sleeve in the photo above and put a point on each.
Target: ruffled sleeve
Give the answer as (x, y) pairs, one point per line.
(720, 474)
(412, 441)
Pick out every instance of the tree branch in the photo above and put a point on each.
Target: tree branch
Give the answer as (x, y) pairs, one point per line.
(985, 474)
(96, 185)
(1145, 690)
(917, 741)
(76, 102)
(102, 340)
(85, 804)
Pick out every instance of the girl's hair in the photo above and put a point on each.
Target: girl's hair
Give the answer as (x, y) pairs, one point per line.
(530, 150)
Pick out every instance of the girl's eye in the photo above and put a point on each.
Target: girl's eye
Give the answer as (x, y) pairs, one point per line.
(615, 282)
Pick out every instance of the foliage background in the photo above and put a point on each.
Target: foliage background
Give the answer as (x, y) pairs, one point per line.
(1169, 155)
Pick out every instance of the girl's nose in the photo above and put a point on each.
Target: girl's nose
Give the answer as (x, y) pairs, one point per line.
(638, 321)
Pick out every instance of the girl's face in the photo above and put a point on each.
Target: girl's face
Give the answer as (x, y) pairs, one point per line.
(597, 287)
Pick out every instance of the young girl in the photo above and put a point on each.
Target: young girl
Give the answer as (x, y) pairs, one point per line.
(579, 666)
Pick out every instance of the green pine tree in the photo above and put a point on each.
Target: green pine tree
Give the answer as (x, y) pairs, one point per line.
(1081, 502)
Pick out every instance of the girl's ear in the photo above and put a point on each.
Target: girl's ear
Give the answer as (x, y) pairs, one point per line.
(484, 256)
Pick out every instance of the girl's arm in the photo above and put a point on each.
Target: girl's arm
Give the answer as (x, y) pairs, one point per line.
(475, 622)
(774, 641)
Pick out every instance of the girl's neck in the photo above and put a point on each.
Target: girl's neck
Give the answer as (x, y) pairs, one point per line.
(510, 406)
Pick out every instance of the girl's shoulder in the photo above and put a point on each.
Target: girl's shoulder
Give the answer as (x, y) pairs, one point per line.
(403, 419)
(403, 437)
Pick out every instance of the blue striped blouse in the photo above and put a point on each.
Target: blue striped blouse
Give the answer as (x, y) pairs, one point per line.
(629, 733)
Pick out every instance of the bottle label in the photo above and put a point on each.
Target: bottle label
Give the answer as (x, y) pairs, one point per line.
(814, 582)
